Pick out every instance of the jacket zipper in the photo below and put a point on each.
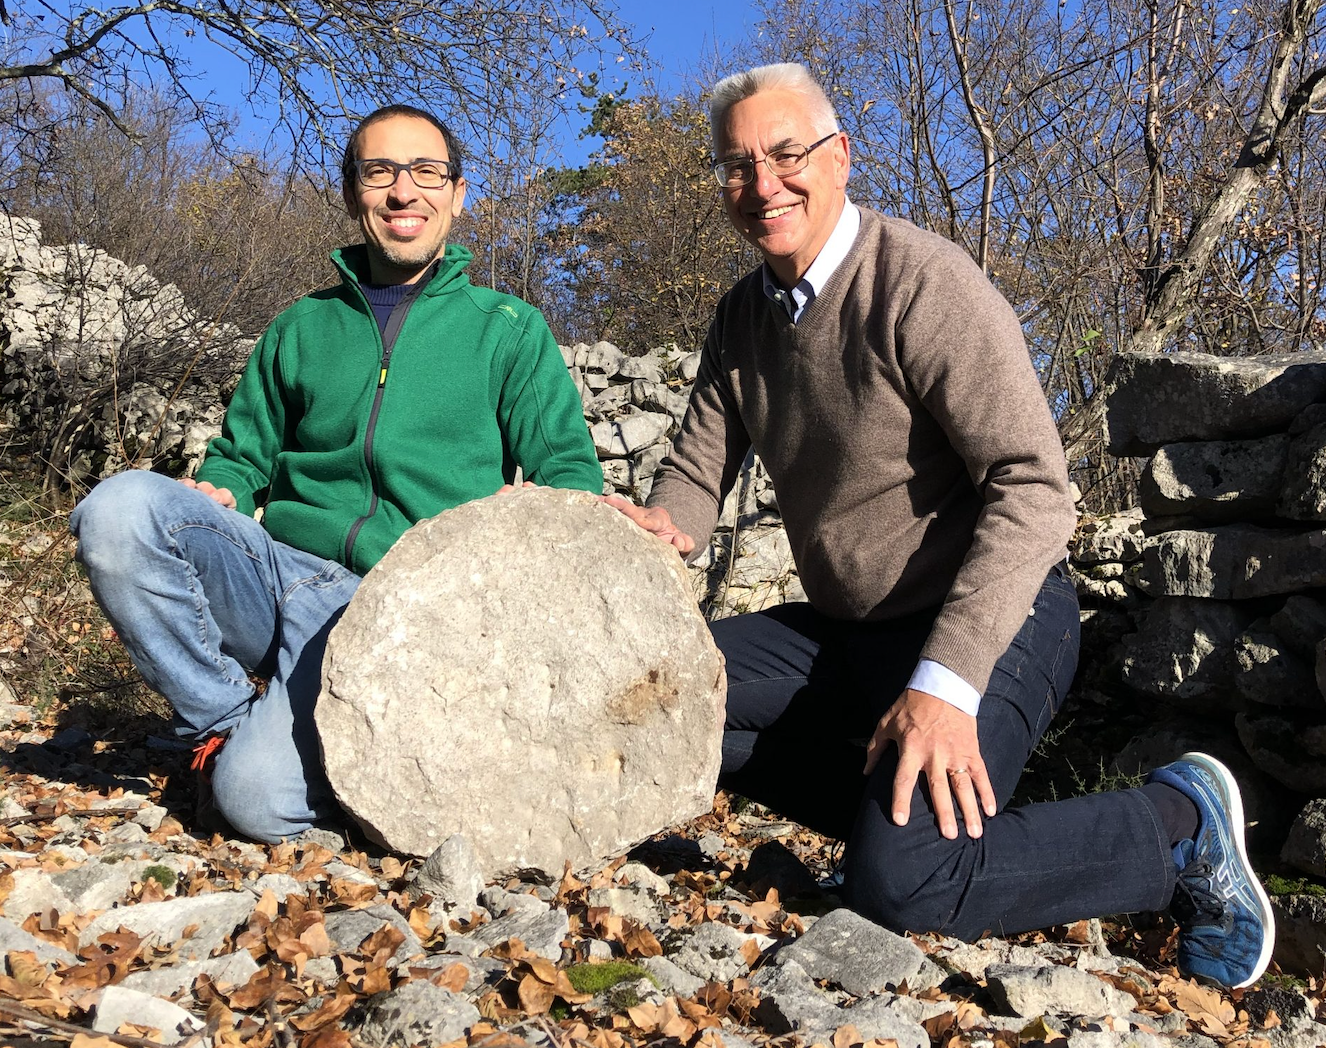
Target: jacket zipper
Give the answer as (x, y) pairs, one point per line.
(394, 324)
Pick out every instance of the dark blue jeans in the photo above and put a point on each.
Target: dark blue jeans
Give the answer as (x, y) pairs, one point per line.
(804, 695)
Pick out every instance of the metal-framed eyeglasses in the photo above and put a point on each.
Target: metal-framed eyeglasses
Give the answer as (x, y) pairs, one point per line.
(782, 163)
(427, 174)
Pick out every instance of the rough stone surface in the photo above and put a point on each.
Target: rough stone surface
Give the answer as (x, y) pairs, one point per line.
(347, 929)
(1217, 480)
(451, 875)
(119, 1005)
(12, 937)
(855, 953)
(1301, 624)
(570, 708)
(1303, 493)
(1054, 988)
(1183, 652)
(214, 918)
(542, 933)
(417, 1013)
(790, 1003)
(233, 969)
(1300, 932)
(1270, 674)
(1117, 537)
(712, 952)
(1164, 398)
(1288, 749)
(1233, 562)
(1305, 847)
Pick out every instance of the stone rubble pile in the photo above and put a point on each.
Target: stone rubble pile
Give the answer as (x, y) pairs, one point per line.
(106, 365)
(1217, 581)
(634, 406)
(111, 913)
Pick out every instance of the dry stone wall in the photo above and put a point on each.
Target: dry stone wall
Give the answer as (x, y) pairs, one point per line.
(102, 366)
(1220, 574)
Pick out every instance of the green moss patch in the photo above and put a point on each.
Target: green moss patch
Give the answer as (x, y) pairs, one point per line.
(596, 978)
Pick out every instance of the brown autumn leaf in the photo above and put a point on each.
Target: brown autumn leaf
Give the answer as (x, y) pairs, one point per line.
(382, 944)
(750, 952)
(699, 1014)
(331, 1009)
(327, 1037)
(392, 868)
(84, 1040)
(1205, 1007)
(315, 940)
(639, 941)
(6, 885)
(1079, 932)
(267, 904)
(264, 984)
(535, 995)
(453, 977)
(26, 973)
(846, 1036)
(353, 894)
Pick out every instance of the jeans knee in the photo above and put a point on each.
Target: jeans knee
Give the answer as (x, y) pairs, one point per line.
(118, 516)
(902, 897)
(249, 803)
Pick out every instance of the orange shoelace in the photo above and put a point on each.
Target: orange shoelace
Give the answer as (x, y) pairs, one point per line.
(202, 753)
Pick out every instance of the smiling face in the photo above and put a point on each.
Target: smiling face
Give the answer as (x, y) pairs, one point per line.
(787, 219)
(404, 227)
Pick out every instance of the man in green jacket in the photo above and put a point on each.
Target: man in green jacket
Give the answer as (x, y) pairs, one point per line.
(399, 393)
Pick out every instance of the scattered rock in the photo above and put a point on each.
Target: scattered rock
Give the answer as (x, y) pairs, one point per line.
(1305, 847)
(1054, 988)
(417, 1013)
(451, 875)
(861, 957)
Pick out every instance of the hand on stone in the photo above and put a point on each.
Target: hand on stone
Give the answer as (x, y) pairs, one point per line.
(511, 487)
(654, 519)
(219, 495)
(940, 740)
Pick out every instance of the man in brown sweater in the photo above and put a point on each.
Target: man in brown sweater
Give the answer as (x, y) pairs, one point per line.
(886, 386)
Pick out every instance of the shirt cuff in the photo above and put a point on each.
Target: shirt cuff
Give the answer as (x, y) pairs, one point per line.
(938, 680)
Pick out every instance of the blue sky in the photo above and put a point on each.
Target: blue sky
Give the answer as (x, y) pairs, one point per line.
(680, 31)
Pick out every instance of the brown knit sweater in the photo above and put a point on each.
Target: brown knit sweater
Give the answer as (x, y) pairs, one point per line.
(907, 437)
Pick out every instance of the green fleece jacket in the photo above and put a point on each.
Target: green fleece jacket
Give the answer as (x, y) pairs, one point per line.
(352, 441)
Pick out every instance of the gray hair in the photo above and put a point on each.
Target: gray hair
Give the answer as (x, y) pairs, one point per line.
(787, 76)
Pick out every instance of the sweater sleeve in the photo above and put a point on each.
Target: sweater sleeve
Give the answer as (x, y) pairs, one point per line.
(540, 413)
(962, 349)
(706, 456)
(243, 457)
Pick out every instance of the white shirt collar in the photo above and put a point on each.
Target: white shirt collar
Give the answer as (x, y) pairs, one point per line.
(826, 262)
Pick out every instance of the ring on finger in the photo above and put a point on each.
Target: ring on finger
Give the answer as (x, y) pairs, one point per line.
(958, 771)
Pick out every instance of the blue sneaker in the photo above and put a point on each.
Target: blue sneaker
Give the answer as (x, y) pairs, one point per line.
(1226, 928)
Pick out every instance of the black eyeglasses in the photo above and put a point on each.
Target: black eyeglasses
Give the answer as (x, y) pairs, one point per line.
(427, 174)
(783, 163)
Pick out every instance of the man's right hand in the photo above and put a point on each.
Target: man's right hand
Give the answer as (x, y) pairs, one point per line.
(654, 519)
(221, 495)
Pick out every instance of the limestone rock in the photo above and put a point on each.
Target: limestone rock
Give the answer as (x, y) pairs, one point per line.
(529, 670)
(1233, 562)
(1303, 493)
(1183, 652)
(213, 918)
(1300, 932)
(1218, 480)
(1286, 748)
(1272, 675)
(118, 1006)
(417, 1013)
(1305, 847)
(1163, 398)
(1054, 988)
(451, 875)
(1116, 537)
(860, 956)
(1301, 624)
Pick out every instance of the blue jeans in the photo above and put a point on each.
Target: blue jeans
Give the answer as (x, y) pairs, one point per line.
(805, 692)
(202, 596)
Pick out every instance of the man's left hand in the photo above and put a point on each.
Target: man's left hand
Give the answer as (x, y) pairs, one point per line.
(940, 740)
